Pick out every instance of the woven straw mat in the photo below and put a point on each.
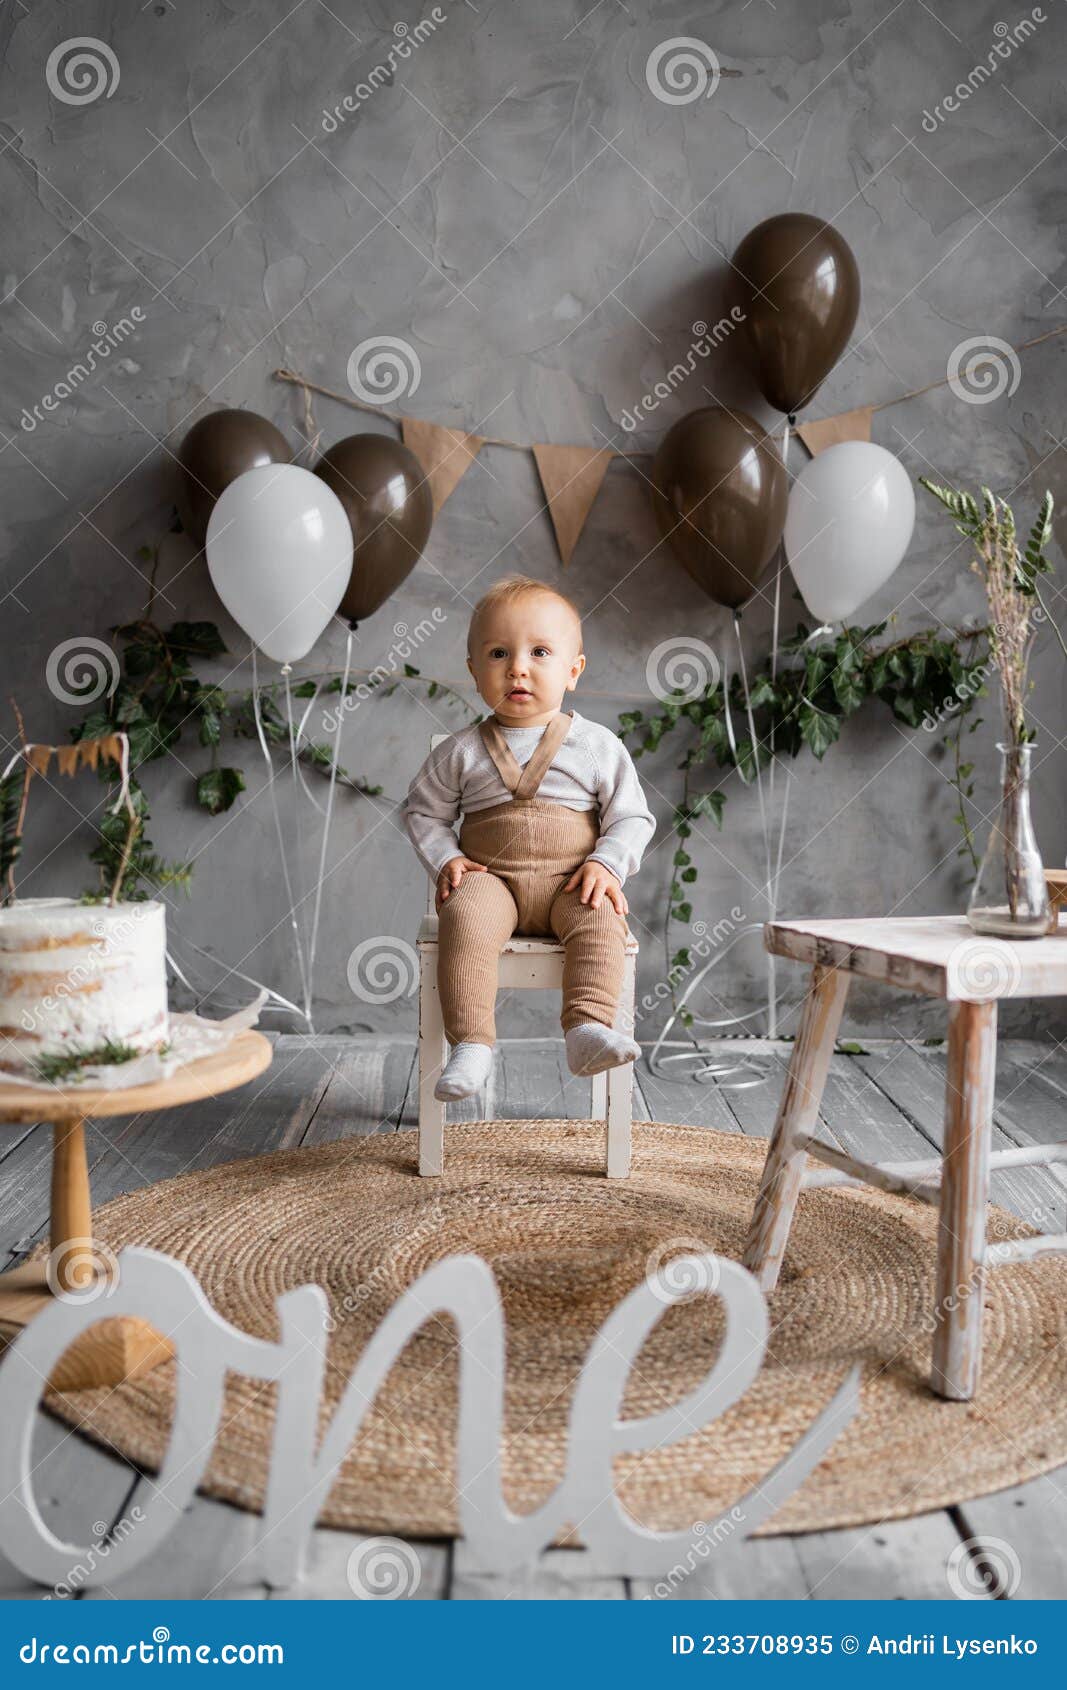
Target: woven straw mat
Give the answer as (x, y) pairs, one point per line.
(566, 1245)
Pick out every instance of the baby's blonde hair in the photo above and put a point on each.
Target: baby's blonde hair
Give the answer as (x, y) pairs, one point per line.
(512, 587)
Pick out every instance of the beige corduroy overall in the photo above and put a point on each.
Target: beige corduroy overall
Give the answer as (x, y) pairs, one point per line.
(531, 847)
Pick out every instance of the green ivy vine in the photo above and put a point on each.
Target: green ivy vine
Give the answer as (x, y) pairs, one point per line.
(925, 680)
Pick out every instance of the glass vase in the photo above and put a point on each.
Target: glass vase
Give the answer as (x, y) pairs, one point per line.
(1010, 897)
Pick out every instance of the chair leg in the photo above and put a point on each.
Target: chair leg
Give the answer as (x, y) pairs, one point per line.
(433, 1053)
(598, 1110)
(620, 1118)
(798, 1112)
(620, 1084)
(961, 1237)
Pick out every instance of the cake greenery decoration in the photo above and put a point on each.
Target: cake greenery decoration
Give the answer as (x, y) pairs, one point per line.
(61, 1065)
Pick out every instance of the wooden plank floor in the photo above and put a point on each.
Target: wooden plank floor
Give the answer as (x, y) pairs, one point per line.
(883, 1102)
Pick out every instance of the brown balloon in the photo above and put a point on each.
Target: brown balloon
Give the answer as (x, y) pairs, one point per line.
(215, 452)
(799, 288)
(390, 507)
(720, 499)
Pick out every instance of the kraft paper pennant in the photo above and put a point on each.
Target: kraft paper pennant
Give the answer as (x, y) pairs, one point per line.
(69, 756)
(831, 431)
(446, 454)
(571, 477)
(39, 757)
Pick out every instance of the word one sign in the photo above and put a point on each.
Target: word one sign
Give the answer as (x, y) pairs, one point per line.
(165, 1293)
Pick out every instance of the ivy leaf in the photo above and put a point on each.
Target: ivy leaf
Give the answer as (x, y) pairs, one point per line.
(217, 789)
(128, 709)
(818, 729)
(849, 689)
(210, 726)
(762, 692)
(201, 638)
(139, 659)
(710, 804)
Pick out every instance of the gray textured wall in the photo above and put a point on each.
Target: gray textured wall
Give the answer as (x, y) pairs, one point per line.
(518, 206)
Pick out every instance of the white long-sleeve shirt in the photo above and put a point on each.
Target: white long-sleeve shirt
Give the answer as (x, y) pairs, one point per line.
(591, 770)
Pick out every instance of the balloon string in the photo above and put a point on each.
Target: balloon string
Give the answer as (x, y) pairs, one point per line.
(273, 996)
(772, 1003)
(258, 718)
(301, 725)
(305, 971)
(728, 713)
(329, 805)
(775, 874)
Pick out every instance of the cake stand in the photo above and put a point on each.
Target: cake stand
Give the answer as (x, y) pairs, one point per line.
(123, 1347)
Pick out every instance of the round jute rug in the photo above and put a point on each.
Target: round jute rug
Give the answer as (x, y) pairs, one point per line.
(566, 1245)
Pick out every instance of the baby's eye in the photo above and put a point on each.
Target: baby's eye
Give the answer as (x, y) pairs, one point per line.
(498, 651)
(541, 651)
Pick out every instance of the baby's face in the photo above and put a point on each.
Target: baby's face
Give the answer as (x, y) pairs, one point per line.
(524, 657)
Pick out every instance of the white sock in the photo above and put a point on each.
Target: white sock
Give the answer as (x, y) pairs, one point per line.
(465, 1072)
(591, 1048)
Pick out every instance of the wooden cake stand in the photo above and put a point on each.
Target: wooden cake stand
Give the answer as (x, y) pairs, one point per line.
(123, 1347)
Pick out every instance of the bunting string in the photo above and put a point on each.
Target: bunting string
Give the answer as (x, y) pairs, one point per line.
(571, 476)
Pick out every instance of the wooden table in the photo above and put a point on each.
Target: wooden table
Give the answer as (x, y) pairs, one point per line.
(117, 1349)
(942, 957)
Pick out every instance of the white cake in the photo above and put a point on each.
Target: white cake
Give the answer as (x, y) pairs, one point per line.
(77, 977)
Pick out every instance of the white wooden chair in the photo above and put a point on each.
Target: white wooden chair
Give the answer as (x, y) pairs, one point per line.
(524, 964)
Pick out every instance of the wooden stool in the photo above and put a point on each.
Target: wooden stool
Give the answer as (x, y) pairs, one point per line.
(123, 1347)
(534, 963)
(943, 957)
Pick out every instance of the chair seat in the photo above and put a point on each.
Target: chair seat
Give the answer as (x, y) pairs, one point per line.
(517, 945)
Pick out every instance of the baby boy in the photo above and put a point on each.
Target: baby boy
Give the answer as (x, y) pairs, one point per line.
(553, 822)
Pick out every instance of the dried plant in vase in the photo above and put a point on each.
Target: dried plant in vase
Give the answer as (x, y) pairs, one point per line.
(1010, 898)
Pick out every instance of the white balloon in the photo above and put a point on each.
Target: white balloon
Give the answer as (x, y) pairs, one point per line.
(279, 549)
(850, 519)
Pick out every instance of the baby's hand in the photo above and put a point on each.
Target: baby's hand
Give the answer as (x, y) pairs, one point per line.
(597, 883)
(452, 873)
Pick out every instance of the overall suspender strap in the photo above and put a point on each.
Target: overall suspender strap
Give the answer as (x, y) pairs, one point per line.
(501, 753)
(541, 761)
(523, 783)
